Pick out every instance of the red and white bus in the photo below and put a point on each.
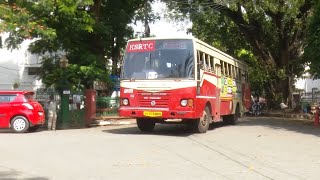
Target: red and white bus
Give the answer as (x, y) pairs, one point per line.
(181, 79)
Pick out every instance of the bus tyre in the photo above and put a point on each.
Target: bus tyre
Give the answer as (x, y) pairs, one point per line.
(202, 124)
(232, 119)
(145, 125)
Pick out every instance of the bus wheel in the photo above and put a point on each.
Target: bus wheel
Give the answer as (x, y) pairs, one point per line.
(232, 119)
(202, 124)
(145, 125)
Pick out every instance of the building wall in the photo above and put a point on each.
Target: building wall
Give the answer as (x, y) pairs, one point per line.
(307, 84)
(15, 66)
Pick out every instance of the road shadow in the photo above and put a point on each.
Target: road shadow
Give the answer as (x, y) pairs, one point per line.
(10, 131)
(182, 130)
(16, 175)
(300, 126)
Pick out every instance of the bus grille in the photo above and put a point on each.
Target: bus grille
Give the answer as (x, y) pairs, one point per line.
(161, 99)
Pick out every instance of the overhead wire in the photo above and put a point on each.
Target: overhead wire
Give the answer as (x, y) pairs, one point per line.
(9, 68)
(212, 5)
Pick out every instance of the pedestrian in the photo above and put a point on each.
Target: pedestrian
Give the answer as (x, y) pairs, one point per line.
(52, 114)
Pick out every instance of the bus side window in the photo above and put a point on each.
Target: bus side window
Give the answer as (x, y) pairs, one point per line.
(218, 69)
(233, 71)
(240, 75)
(211, 64)
(199, 64)
(236, 71)
(199, 60)
(204, 65)
(222, 68)
(247, 77)
(207, 62)
(230, 73)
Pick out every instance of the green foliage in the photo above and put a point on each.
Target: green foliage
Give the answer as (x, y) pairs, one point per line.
(145, 15)
(17, 19)
(312, 53)
(103, 102)
(88, 32)
(272, 31)
(257, 73)
(75, 76)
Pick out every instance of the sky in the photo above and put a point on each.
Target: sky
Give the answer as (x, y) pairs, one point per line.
(164, 27)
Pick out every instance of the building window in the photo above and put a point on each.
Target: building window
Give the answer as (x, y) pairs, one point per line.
(33, 70)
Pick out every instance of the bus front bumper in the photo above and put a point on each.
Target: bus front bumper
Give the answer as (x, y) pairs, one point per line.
(161, 113)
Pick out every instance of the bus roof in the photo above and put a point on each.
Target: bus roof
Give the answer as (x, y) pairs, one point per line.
(161, 38)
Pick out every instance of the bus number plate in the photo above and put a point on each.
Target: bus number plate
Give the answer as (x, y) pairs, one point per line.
(152, 114)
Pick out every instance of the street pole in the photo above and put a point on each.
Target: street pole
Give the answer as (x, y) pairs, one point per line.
(64, 94)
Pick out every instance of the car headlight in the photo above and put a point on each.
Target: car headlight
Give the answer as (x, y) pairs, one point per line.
(184, 102)
(125, 102)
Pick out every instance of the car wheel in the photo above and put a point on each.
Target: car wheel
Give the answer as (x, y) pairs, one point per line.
(145, 124)
(34, 128)
(19, 124)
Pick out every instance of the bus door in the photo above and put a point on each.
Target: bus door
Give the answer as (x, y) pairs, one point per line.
(216, 114)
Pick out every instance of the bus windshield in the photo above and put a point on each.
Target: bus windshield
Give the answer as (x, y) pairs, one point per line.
(159, 59)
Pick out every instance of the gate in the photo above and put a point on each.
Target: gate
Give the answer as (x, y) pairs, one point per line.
(75, 118)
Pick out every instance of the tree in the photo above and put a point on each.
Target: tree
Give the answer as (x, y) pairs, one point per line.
(145, 15)
(312, 53)
(273, 31)
(88, 32)
(21, 24)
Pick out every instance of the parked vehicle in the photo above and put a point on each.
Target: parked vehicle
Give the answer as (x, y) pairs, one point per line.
(20, 111)
(256, 108)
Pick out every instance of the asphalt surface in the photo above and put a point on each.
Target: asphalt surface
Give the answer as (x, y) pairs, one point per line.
(256, 148)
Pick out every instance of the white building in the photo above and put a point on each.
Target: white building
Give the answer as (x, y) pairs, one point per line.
(18, 68)
(308, 84)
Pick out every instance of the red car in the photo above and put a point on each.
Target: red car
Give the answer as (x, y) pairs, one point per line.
(20, 111)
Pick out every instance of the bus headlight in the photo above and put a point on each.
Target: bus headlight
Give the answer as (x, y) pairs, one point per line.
(125, 102)
(184, 102)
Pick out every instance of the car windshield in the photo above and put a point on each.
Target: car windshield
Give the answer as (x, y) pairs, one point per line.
(159, 59)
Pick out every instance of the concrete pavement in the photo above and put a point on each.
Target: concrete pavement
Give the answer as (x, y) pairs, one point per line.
(112, 120)
(117, 120)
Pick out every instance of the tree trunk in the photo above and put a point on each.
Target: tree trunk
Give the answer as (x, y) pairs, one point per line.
(146, 19)
(115, 56)
(287, 91)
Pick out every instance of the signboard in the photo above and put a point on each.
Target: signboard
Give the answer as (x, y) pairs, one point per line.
(141, 46)
(174, 45)
(98, 85)
(66, 91)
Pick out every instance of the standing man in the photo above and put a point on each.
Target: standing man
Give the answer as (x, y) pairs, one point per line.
(52, 114)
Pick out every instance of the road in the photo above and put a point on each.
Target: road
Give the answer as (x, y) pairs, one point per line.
(256, 148)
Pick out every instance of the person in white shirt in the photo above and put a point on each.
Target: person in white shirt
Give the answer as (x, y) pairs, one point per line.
(52, 114)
